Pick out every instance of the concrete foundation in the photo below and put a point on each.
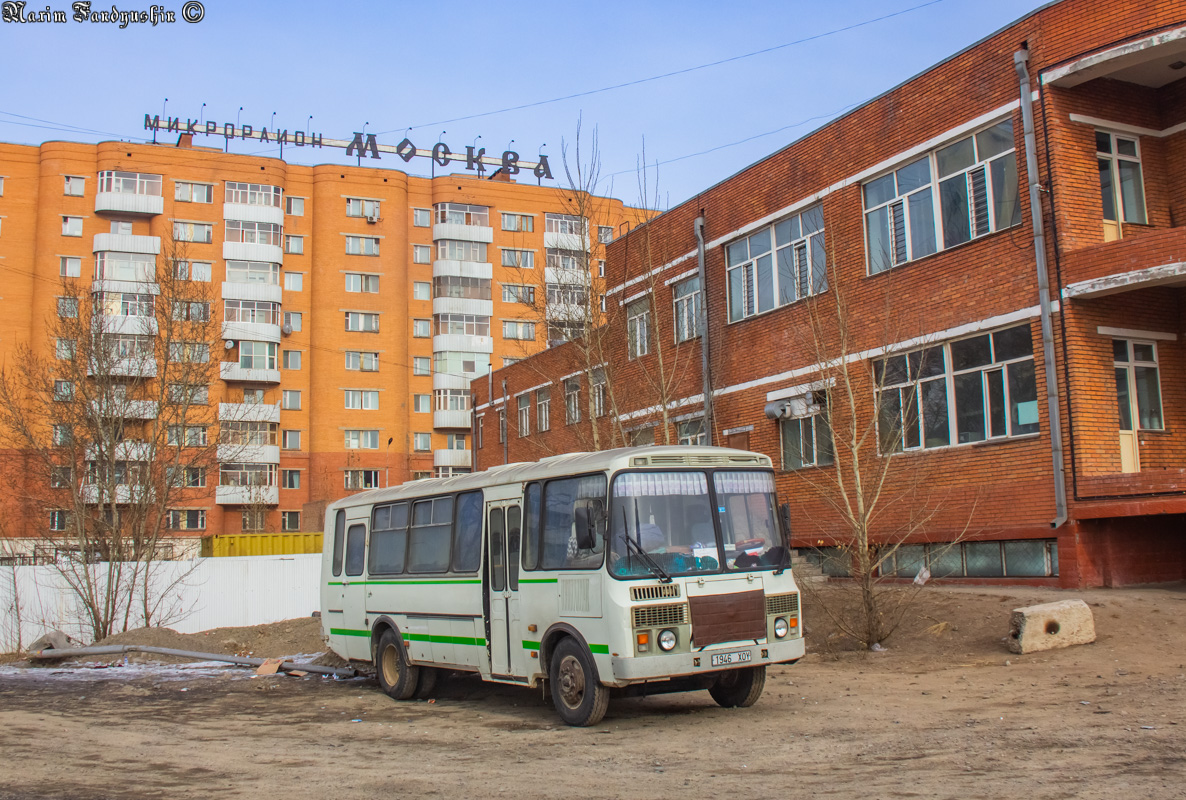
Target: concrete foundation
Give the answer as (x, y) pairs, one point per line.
(1051, 625)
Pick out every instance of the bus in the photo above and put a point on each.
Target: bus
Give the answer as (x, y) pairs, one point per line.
(632, 571)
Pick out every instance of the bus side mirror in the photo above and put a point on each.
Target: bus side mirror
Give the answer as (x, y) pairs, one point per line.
(586, 516)
(784, 519)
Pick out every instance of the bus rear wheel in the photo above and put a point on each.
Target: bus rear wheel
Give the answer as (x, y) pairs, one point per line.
(739, 688)
(396, 676)
(577, 693)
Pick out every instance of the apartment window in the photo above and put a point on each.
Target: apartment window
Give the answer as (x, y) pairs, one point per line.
(421, 442)
(294, 206)
(253, 232)
(130, 183)
(193, 232)
(455, 441)
(362, 321)
(522, 259)
(262, 272)
(187, 477)
(70, 266)
(294, 320)
(192, 312)
(294, 245)
(572, 401)
(125, 304)
(605, 234)
(421, 476)
(777, 265)
(72, 226)
(189, 393)
(362, 478)
(357, 282)
(524, 401)
(293, 281)
(566, 260)
(598, 390)
(638, 327)
(291, 359)
(543, 411)
(65, 349)
(193, 271)
(807, 437)
(642, 437)
(290, 440)
(253, 194)
(975, 183)
(184, 192)
(564, 331)
(462, 214)
(121, 227)
(462, 324)
(421, 328)
(362, 245)
(601, 270)
(63, 435)
(524, 223)
(290, 478)
(421, 254)
(179, 352)
(965, 391)
(567, 294)
(75, 186)
(187, 435)
(518, 293)
(512, 329)
(186, 519)
(362, 361)
(290, 399)
(1138, 386)
(456, 250)
(362, 400)
(68, 307)
(254, 519)
(290, 520)
(564, 223)
(115, 266)
(447, 362)
(249, 432)
(687, 309)
(253, 395)
(362, 440)
(421, 365)
(452, 399)
(422, 403)
(58, 520)
(257, 355)
(60, 477)
(1121, 186)
(254, 311)
(357, 207)
(421, 290)
(421, 218)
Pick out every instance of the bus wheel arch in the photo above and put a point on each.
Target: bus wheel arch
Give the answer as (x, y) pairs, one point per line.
(383, 624)
(397, 678)
(552, 637)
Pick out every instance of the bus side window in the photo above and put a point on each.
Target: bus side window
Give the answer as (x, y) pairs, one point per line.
(513, 515)
(531, 527)
(389, 540)
(356, 539)
(339, 540)
(429, 538)
(467, 533)
(560, 547)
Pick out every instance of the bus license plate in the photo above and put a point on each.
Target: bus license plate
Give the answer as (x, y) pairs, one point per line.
(724, 659)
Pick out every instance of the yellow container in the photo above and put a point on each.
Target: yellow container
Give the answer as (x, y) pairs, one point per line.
(261, 544)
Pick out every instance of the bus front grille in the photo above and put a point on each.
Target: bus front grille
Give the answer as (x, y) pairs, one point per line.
(654, 592)
(656, 616)
(782, 604)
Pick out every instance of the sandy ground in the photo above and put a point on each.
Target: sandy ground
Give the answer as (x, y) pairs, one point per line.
(940, 714)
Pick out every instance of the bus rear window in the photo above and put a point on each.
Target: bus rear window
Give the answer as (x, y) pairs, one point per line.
(339, 541)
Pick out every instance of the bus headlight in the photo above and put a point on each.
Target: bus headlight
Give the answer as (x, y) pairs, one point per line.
(667, 640)
(781, 628)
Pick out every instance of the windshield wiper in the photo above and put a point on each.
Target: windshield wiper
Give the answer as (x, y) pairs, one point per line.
(656, 570)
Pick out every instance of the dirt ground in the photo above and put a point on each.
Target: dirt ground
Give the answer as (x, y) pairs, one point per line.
(947, 711)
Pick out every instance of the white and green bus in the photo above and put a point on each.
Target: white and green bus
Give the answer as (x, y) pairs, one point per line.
(633, 571)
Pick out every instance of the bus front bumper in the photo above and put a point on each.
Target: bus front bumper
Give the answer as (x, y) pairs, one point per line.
(628, 670)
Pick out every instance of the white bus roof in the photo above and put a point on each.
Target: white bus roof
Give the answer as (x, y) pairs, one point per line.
(566, 464)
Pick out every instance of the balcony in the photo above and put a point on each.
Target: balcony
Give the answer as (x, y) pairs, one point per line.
(252, 331)
(451, 458)
(444, 380)
(141, 367)
(127, 325)
(249, 453)
(1153, 258)
(231, 371)
(130, 450)
(451, 419)
(250, 251)
(565, 241)
(127, 243)
(464, 233)
(249, 213)
(248, 412)
(126, 409)
(460, 342)
(128, 203)
(124, 494)
(462, 305)
(247, 495)
(466, 269)
(129, 287)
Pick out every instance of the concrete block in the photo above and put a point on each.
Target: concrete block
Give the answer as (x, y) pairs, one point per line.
(1051, 625)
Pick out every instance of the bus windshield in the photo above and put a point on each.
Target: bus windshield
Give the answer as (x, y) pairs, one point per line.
(669, 517)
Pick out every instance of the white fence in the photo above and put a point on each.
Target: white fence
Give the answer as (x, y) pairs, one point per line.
(207, 593)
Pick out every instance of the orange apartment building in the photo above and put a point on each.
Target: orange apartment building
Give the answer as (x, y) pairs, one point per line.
(356, 304)
(1013, 307)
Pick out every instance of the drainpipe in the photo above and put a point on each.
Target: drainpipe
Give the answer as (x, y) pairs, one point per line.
(703, 323)
(504, 425)
(1020, 59)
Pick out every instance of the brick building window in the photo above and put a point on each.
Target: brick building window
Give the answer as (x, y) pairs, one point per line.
(184, 192)
(290, 478)
(357, 207)
(421, 218)
(72, 226)
(524, 401)
(290, 520)
(462, 214)
(1138, 388)
(572, 401)
(362, 245)
(638, 327)
(362, 400)
(362, 440)
(186, 519)
(1121, 187)
(543, 409)
(457, 250)
(520, 259)
(357, 282)
(294, 206)
(598, 390)
(364, 361)
(362, 321)
(294, 245)
(807, 439)
(691, 432)
(687, 299)
(361, 478)
(524, 223)
(777, 265)
(421, 442)
(75, 186)
(514, 329)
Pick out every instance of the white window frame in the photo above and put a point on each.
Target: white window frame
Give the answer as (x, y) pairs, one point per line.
(686, 308)
(362, 283)
(362, 245)
(638, 327)
(1115, 160)
(783, 262)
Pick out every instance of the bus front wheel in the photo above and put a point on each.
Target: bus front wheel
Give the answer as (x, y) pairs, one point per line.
(577, 693)
(739, 688)
(396, 676)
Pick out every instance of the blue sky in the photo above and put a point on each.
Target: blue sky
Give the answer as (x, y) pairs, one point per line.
(397, 64)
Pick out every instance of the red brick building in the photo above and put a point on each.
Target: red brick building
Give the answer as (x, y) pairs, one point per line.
(1021, 371)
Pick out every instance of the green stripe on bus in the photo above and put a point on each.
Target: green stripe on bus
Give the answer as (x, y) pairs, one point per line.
(530, 645)
(412, 581)
(425, 637)
(537, 580)
(348, 632)
(603, 649)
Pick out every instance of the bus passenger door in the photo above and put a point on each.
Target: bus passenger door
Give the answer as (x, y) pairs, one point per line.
(354, 588)
(502, 575)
